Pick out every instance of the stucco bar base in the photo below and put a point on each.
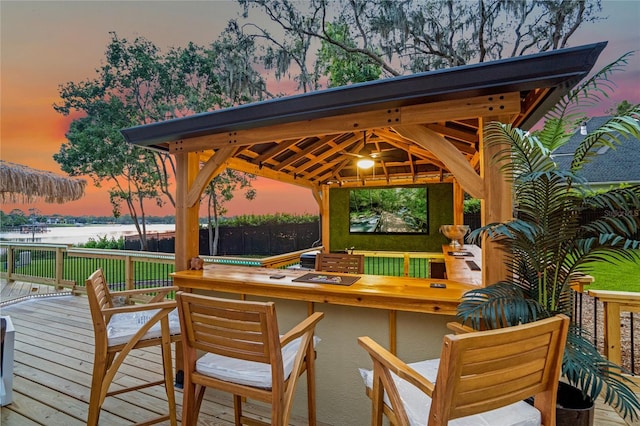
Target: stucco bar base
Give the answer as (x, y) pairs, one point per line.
(341, 399)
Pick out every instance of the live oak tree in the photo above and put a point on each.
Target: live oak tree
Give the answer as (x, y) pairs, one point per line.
(281, 50)
(340, 66)
(137, 84)
(95, 148)
(220, 190)
(407, 36)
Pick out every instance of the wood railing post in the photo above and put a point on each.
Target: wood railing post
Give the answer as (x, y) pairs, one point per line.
(616, 302)
(407, 262)
(59, 267)
(128, 273)
(612, 336)
(10, 263)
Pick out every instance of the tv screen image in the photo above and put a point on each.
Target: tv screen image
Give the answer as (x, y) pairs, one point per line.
(399, 210)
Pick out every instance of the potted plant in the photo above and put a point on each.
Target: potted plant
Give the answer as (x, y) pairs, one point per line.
(547, 244)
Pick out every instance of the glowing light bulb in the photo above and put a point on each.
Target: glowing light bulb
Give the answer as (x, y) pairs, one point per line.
(365, 163)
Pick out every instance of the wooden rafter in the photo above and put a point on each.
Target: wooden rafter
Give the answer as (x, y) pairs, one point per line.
(455, 161)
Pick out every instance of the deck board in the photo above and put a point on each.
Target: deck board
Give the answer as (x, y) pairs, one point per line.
(53, 362)
(52, 374)
(20, 290)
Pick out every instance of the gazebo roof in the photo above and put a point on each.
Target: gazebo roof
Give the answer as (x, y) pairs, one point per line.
(314, 138)
(22, 182)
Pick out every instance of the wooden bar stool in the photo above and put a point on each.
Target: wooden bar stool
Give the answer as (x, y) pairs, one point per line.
(482, 377)
(244, 355)
(118, 330)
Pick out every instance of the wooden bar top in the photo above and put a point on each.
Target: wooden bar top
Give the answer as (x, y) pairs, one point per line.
(370, 291)
(459, 261)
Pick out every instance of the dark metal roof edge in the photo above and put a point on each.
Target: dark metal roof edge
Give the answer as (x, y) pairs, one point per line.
(564, 67)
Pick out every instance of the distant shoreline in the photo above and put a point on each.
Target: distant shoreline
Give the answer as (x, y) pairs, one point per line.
(71, 234)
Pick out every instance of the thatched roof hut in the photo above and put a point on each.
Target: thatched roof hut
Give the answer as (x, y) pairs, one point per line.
(18, 182)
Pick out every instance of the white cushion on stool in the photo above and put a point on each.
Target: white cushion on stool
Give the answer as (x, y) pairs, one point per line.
(123, 326)
(249, 373)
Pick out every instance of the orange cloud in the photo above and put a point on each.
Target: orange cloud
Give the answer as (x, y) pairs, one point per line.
(41, 49)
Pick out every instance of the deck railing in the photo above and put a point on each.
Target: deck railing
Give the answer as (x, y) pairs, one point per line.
(617, 326)
(607, 316)
(65, 266)
(37, 263)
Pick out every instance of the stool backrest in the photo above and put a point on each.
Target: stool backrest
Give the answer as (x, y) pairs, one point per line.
(340, 262)
(478, 371)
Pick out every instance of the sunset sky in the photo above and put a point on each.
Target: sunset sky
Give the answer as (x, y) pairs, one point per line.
(49, 43)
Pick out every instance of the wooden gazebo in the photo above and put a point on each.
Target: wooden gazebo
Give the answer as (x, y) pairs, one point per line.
(419, 129)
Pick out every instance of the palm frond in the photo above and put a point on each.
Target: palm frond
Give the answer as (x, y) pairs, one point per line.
(615, 199)
(549, 241)
(623, 222)
(588, 93)
(607, 248)
(500, 231)
(500, 305)
(519, 152)
(557, 131)
(541, 195)
(585, 368)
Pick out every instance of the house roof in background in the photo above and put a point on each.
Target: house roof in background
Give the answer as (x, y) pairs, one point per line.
(612, 165)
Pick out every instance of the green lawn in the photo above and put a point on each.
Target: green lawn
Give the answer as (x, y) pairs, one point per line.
(77, 269)
(619, 277)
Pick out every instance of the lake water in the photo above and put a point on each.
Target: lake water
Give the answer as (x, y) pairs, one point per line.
(82, 234)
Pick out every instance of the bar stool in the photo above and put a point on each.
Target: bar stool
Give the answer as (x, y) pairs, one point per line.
(118, 330)
(244, 355)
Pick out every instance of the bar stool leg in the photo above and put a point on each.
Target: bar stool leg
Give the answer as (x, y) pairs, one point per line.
(168, 370)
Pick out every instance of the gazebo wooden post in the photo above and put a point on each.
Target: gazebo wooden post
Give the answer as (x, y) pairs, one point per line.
(497, 206)
(187, 225)
(324, 215)
(187, 244)
(458, 203)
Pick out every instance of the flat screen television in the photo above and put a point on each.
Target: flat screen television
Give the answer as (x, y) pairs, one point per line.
(397, 210)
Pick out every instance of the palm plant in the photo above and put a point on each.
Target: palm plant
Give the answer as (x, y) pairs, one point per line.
(547, 244)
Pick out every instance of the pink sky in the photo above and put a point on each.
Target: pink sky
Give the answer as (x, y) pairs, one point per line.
(48, 43)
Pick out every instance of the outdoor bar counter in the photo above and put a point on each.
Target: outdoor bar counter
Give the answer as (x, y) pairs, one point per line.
(369, 291)
(404, 314)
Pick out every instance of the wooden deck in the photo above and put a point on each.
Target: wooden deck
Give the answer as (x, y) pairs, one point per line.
(20, 290)
(52, 372)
